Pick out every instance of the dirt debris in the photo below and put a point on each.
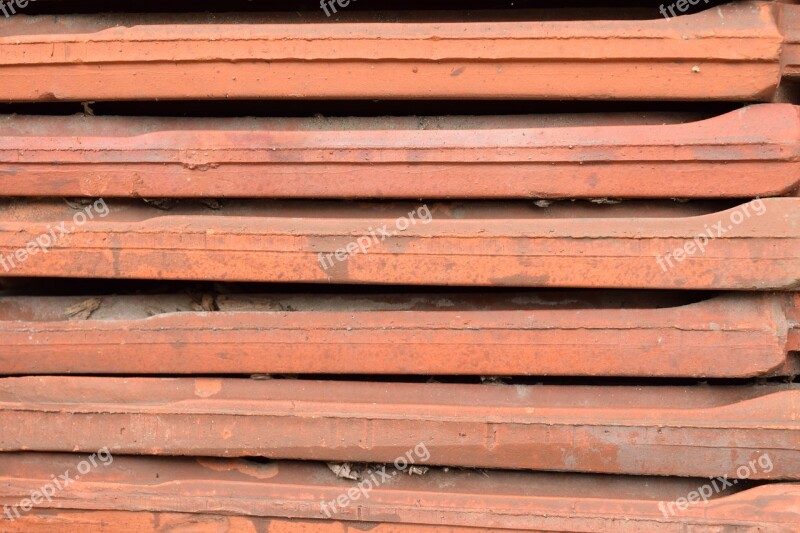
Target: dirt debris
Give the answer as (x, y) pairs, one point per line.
(84, 309)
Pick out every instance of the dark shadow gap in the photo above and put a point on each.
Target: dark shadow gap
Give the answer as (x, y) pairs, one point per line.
(386, 10)
(368, 108)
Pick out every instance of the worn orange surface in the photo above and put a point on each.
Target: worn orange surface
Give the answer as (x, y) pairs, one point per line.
(490, 499)
(746, 153)
(69, 521)
(726, 53)
(461, 244)
(735, 335)
(683, 431)
(230, 454)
